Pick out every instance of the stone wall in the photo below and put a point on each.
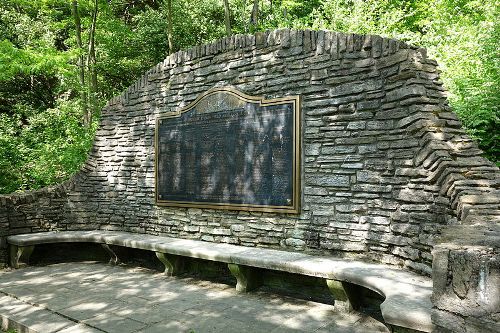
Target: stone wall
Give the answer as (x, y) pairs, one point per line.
(35, 211)
(386, 163)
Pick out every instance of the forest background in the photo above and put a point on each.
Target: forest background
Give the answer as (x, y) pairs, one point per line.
(61, 60)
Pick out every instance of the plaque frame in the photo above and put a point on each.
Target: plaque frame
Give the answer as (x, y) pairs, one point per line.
(294, 207)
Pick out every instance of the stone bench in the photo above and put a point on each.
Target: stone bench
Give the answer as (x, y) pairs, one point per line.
(407, 305)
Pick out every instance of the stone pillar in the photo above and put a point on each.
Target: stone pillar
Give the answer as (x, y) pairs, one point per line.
(173, 264)
(247, 278)
(347, 298)
(20, 253)
(113, 260)
(466, 278)
(4, 252)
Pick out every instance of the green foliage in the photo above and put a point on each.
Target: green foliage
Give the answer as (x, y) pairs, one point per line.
(47, 150)
(274, 14)
(42, 137)
(463, 36)
(382, 17)
(27, 61)
(10, 330)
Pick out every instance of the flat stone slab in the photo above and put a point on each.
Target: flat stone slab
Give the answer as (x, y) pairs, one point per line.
(407, 295)
(28, 317)
(96, 297)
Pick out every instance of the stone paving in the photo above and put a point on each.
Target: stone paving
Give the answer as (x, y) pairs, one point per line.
(95, 297)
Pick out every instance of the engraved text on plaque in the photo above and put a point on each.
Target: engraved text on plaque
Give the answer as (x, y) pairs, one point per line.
(229, 150)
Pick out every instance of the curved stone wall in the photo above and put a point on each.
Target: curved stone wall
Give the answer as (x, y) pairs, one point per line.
(385, 162)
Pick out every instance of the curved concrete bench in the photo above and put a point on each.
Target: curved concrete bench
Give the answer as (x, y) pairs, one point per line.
(407, 301)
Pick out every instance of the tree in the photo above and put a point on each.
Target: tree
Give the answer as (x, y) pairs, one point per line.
(61, 60)
(170, 27)
(227, 17)
(254, 17)
(80, 64)
(42, 140)
(91, 64)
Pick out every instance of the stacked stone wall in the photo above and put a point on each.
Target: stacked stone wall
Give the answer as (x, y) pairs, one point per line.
(29, 212)
(386, 164)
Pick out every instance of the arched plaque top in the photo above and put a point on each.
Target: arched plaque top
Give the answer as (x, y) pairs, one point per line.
(226, 98)
(229, 150)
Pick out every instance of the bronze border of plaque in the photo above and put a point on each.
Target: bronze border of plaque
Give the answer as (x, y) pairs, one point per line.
(294, 208)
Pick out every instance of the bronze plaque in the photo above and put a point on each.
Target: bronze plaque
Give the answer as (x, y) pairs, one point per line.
(228, 150)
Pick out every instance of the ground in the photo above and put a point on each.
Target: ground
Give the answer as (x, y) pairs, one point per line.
(96, 297)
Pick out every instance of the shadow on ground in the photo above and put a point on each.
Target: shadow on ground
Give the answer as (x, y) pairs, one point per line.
(96, 297)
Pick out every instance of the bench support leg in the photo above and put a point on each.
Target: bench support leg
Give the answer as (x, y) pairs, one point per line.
(20, 252)
(247, 278)
(172, 263)
(114, 260)
(345, 294)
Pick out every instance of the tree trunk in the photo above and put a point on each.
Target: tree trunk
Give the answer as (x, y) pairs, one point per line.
(169, 27)
(227, 18)
(254, 18)
(80, 63)
(91, 62)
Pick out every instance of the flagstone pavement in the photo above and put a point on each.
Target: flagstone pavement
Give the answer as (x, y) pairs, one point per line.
(96, 297)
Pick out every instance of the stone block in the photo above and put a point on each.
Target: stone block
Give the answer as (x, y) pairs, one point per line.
(366, 176)
(334, 150)
(368, 105)
(315, 191)
(410, 195)
(393, 59)
(356, 125)
(440, 270)
(375, 220)
(346, 89)
(371, 188)
(327, 180)
(406, 92)
(294, 242)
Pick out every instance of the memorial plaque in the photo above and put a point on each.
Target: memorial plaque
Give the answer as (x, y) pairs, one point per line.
(228, 150)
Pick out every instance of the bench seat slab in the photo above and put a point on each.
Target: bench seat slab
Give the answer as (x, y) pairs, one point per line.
(407, 301)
